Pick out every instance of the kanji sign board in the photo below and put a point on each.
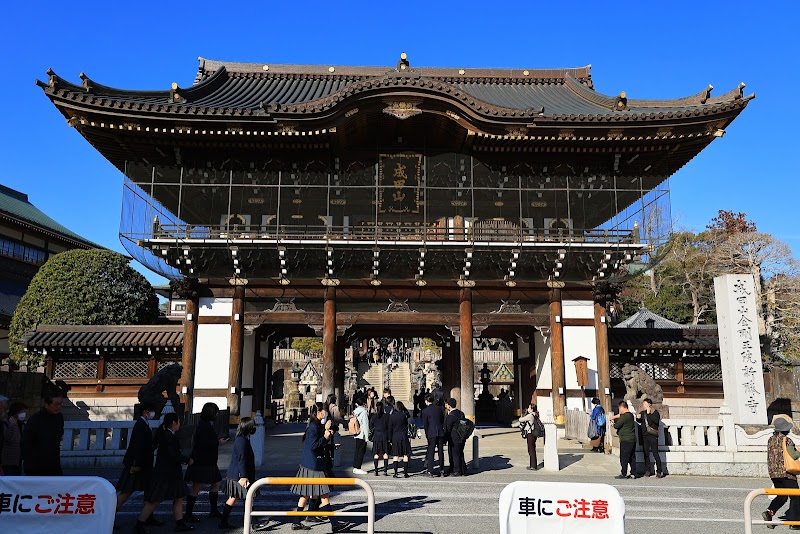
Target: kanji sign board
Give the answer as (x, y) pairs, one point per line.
(65, 505)
(561, 508)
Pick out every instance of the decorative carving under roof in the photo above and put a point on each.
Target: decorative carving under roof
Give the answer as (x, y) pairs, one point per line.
(398, 306)
(503, 374)
(402, 109)
(285, 305)
(510, 306)
(310, 376)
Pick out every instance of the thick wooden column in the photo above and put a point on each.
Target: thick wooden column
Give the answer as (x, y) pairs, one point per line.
(603, 363)
(467, 358)
(329, 342)
(557, 357)
(189, 351)
(237, 348)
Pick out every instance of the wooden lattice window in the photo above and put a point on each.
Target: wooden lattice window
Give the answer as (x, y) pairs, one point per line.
(75, 369)
(702, 371)
(126, 368)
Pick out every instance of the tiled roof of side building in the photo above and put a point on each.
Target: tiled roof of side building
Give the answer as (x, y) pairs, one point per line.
(641, 318)
(15, 205)
(557, 94)
(145, 336)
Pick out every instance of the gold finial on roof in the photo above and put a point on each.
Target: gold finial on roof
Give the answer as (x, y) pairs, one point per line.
(174, 86)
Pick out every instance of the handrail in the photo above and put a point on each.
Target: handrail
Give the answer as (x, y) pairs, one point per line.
(748, 504)
(387, 231)
(288, 481)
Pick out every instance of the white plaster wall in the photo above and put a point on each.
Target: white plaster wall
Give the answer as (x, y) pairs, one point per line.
(544, 376)
(580, 341)
(197, 405)
(577, 309)
(213, 355)
(216, 306)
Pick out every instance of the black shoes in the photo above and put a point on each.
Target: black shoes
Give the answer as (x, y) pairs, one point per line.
(153, 522)
(620, 477)
(213, 514)
(141, 528)
(766, 516)
(647, 474)
(660, 475)
(300, 526)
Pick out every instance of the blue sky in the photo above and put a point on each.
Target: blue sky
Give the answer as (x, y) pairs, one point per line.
(648, 49)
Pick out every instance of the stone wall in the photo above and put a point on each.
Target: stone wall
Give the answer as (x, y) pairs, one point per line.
(692, 408)
(99, 408)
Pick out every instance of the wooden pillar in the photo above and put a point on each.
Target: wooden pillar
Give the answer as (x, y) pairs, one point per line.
(680, 376)
(189, 354)
(338, 371)
(603, 363)
(237, 348)
(467, 404)
(329, 342)
(557, 357)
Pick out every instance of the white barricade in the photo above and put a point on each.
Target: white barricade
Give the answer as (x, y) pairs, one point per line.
(561, 507)
(66, 505)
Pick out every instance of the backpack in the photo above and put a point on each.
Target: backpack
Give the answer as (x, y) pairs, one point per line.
(354, 427)
(464, 428)
(525, 429)
(412, 430)
(601, 419)
(538, 427)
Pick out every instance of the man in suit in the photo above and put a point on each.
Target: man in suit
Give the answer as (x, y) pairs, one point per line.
(433, 423)
(455, 447)
(41, 438)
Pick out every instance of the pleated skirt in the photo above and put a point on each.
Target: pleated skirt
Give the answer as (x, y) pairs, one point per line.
(129, 482)
(310, 490)
(401, 447)
(166, 489)
(234, 489)
(206, 474)
(380, 447)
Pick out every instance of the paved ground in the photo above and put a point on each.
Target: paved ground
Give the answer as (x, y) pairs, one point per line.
(423, 505)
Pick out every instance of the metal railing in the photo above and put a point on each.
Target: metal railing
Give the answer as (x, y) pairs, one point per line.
(288, 481)
(748, 504)
(386, 232)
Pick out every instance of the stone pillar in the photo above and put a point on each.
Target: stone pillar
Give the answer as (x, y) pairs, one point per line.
(189, 351)
(237, 348)
(329, 342)
(603, 362)
(557, 357)
(467, 359)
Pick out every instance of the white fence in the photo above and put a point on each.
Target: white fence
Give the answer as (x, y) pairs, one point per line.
(576, 425)
(103, 443)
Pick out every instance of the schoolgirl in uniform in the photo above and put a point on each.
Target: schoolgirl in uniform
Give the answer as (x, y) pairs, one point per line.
(204, 470)
(241, 470)
(379, 422)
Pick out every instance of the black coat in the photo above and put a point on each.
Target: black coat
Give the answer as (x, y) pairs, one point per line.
(398, 426)
(41, 442)
(380, 427)
(205, 449)
(168, 456)
(140, 447)
(243, 460)
(450, 423)
(433, 421)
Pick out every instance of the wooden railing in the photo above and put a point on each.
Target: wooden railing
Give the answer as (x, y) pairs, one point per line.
(387, 232)
(576, 425)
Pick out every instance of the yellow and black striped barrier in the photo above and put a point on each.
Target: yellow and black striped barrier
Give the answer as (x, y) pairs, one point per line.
(288, 481)
(748, 504)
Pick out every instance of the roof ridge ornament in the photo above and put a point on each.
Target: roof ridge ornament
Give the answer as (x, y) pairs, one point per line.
(403, 64)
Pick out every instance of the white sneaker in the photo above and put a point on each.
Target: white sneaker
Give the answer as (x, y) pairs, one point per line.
(359, 471)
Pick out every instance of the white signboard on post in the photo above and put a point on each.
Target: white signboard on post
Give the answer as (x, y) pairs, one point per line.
(560, 508)
(64, 505)
(740, 351)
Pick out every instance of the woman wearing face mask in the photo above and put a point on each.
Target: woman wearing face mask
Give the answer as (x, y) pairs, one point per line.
(12, 438)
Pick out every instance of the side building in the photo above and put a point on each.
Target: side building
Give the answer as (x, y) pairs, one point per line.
(28, 237)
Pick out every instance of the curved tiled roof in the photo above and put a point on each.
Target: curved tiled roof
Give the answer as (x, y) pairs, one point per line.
(252, 89)
(146, 336)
